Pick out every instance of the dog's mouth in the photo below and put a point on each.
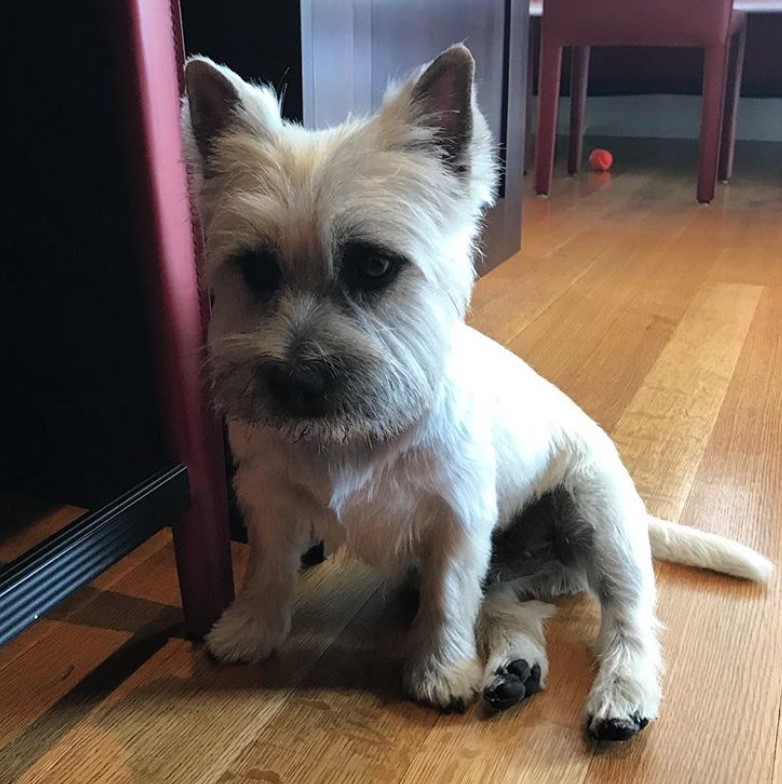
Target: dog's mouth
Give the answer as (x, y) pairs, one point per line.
(331, 400)
(301, 411)
(321, 432)
(324, 423)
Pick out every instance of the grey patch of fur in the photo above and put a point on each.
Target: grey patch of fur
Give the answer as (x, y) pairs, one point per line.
(549, 550)
(622, 586)
(543, 552)
(553, 580)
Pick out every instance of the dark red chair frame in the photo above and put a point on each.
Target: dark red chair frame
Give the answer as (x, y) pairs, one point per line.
(711, 25)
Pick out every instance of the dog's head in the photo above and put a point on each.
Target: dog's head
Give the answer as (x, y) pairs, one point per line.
(339, 260)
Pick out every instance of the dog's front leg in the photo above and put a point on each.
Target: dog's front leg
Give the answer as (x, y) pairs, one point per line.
(259, 619)
(442, 667)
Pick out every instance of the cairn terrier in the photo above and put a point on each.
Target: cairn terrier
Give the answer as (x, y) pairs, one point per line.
(362, 408)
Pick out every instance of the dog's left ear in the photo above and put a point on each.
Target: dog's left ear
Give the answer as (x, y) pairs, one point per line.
(441, 100)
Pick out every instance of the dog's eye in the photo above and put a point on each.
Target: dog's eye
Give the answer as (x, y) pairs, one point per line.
(367, 268)
(375, 267)
(260, 271)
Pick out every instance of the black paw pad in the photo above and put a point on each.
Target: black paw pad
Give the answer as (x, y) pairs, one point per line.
(513, 683)
(519, 668)
(617, 729)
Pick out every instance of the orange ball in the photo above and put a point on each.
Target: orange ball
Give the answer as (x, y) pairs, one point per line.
(600, 160)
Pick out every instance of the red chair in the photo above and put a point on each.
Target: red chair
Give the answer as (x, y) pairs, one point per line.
(152, 89)
(711, 25)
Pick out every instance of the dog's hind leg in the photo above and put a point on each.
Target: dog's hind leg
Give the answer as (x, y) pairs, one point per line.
(511, 638)
(617, 559)
(554, 579)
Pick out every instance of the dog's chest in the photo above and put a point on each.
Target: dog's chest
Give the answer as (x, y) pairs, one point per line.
(382, 509)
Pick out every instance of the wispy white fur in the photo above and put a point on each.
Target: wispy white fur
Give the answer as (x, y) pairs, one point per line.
(689, 546)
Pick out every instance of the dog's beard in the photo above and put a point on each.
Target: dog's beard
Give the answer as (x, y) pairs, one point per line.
(370, 402)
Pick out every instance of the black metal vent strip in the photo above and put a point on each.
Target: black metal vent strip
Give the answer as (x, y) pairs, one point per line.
(46, 574)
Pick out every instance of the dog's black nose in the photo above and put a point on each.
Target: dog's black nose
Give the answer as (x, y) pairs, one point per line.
(300, 388)
(307, 380)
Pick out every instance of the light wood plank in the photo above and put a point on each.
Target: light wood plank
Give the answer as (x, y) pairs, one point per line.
(646, 320)
(754, 259)
(514, 294)
(551, 223)
(95, 625)
(723, 640)
(62, 658)
(348, 721)
(778, 753)
(664, 430)
(504, 750)
(503, 306)
(27, 521)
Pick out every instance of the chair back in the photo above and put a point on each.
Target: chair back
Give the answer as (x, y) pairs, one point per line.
(696, 23)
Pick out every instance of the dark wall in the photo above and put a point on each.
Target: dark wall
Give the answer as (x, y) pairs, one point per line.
(648, 70)
(78, 409)
(260, 41)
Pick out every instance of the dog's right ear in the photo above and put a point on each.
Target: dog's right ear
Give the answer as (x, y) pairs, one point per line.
(218, 101)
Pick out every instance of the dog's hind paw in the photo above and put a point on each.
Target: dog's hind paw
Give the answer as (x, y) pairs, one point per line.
(511, 684)
(616, 729)
(622, 706)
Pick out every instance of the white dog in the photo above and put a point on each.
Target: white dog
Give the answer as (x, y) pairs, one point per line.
(362, 408)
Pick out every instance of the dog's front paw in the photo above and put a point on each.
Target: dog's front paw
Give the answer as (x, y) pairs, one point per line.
(448, 686)
(621, 708)
(245, 635)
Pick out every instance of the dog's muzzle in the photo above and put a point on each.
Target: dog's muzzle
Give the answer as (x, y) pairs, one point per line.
(300, 389)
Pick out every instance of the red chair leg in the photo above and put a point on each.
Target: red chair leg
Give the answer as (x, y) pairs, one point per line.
(714, 72)
(732, 93)
(548, 98)
(201, 536)
(579, 76)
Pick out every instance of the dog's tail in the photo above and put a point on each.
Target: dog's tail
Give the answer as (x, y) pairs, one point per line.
(691, 547)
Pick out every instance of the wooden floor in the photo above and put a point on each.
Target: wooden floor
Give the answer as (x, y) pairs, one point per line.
(662, 318)
(26, 521)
